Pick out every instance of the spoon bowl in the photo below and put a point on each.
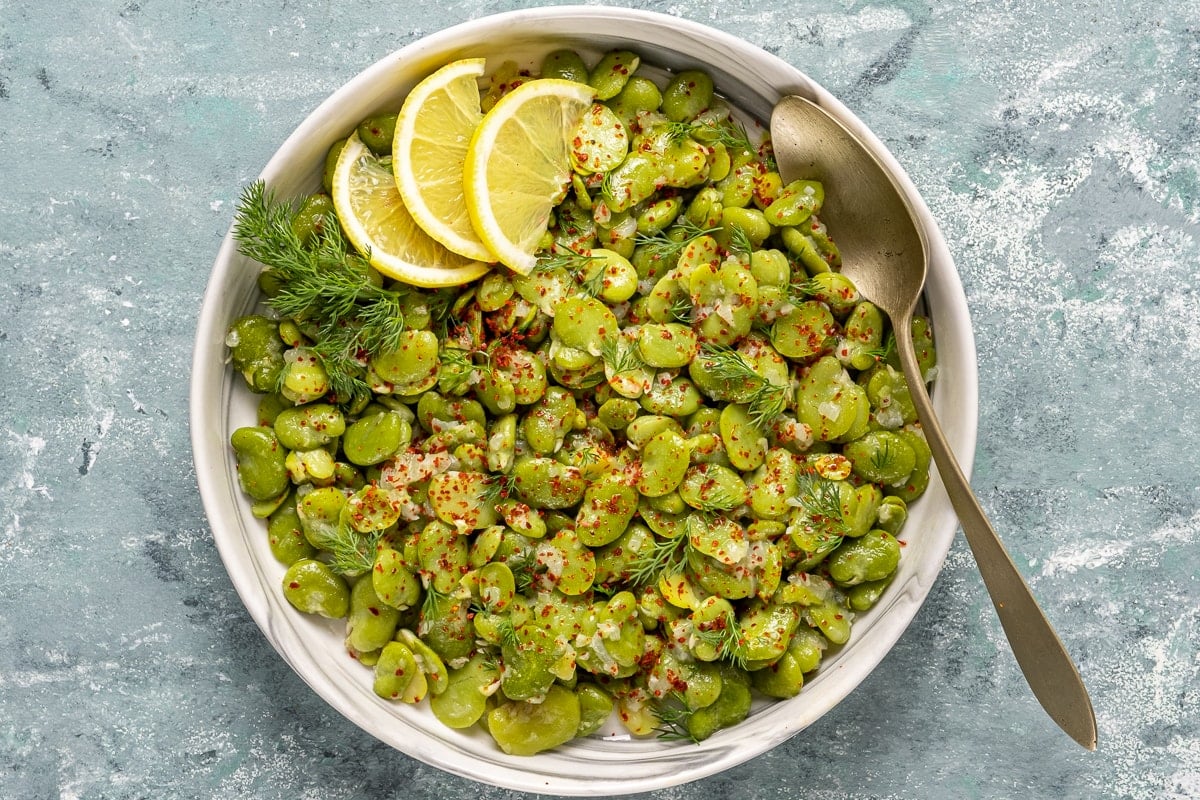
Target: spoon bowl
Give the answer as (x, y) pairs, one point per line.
(885, 253)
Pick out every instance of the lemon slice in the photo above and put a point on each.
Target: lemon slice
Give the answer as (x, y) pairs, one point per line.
(377, 222)
(432, 133)
(518, 166)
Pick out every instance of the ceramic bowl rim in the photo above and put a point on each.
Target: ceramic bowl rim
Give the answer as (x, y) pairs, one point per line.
(588, 767)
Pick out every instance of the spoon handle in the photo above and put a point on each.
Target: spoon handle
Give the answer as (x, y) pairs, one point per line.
(1044, 661)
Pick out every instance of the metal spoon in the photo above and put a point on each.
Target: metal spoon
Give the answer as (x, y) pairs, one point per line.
(885, 253)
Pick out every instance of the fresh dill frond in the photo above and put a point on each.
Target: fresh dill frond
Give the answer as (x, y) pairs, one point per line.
(728, 132)
(678, 131)
(766, 400)
(606, 184)
(739, 241)
(524, 568)
(349, 552)
(507, 631)
(724, 635)
(729, 367)
(620, 355)
(563, 258)
(883, 456)
(767, 156)
(460, 366)
(682, 310)
(802, 290)
(674, 714)
(592, 284)
(431, 605)
(579, 265)
(456, 358)
(767, 403)
(662, 245)
(498, 487)
(821, 501)
(664, 557)
(440, 304)
(888, 351)
(719, 499)
(324, 284)
(589, 456)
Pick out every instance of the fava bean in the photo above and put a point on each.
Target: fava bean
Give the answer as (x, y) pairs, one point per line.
(256, 351)
(687, 94)
(612, 72)
(377, 133)
(523, 728)
(871, 557)
(261, 470)
(312, 587)
(371, 622)
(565, 65)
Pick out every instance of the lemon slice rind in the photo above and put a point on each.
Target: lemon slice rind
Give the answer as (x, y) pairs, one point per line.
(379, 225)
(433, 129)
(518, 166)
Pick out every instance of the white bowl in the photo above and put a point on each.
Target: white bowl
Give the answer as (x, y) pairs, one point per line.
(754, 80)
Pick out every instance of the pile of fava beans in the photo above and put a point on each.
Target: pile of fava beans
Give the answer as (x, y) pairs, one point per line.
(658, 475)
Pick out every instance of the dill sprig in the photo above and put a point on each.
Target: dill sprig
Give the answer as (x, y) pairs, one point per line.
(883, 456)
(682, 310)
(524, 568)
(440, 304)
(459, 367)
(498, 487)
(593, 284)
(821, 501)
(431, 605)
(674, 714)
(887, 351)
(677, 131)
(665, 556)
(606, 184)
(798, 291)
(728, 132)
(739, 241)
(349, 552)
(563, 258)
(323, 284)
(661, 245)
(718, 499)
(506, 629)
(766, 400)
(620, 355)
(725, 636)
(579, 265)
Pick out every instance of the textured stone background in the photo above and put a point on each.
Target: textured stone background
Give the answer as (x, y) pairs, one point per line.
(1058, 145)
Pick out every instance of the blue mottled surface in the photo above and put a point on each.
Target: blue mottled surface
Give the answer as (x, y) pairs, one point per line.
(1058, 144)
